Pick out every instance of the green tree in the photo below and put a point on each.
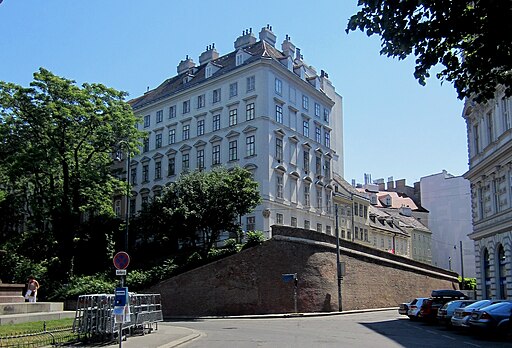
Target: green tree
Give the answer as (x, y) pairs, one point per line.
(471, 39)
(56, 145)
(200, 205)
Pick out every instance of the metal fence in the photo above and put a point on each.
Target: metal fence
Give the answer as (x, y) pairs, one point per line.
(94, 316)
(39, 338)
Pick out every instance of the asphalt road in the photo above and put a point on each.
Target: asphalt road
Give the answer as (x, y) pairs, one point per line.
(371, 329)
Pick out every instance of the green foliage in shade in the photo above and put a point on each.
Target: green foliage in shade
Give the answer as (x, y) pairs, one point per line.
(82, 285)
(57, 141)
(254, 238)
(469, 283)
(471, 39)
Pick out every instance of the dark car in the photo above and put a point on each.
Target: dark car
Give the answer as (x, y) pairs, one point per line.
(404, 308)
(429, 308)
(493, 319)
(445, 313)
(460, 317)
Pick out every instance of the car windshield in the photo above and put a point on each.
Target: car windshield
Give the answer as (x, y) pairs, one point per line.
(497, 305)
(479, 304)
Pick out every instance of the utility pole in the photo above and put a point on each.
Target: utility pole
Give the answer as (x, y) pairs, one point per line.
(338, 264)
(461, 264)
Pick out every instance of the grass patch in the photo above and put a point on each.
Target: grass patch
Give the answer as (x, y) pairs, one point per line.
(13, 329)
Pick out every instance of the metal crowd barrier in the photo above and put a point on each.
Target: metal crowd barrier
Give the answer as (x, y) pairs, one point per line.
(94, 315)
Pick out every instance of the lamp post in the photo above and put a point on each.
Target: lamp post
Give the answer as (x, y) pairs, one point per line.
(127, 205)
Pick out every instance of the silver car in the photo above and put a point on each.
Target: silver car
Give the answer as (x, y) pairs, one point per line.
(460, 317)
(414, 307)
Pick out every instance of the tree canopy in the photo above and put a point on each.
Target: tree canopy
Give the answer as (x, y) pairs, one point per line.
(56, 145)
(198, 207)
(471, 39)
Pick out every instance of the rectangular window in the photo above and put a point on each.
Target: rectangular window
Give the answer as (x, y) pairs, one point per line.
(307, 224)
(317, 110)
(279, 219)
(327, 139)
(490, 127)
(233, 150)
(279, 86)
(318, 165)
(200, 127)
(356, 232)
(132, 207)
(158, 170)
(147, 121)
(319, 202)
(200, 159)
(506, 114)
(305, 102)
(233, 89)
(328, 204)
(216, 95)
(250, 83)
(200, 101)
(279, 185)
(233, 117)
(318, 134)
(249, 111)
(360, 210)
(365, 214)
(327, 169)
(250, 224)
(250, 146)
(216, 122)
(306, 162)
(279, 113)
(146, 145)
(171, 168)
(185, 162)
(356, 209)
(319, 227)
(172, 136)
(293, 221)
(307, 201)
(476, 139)
(158, 141)
(216, 154)
(159, 116)
(279, 149)
(172, 111)
(145, 173)
(186, 106)
(305, 128)
(328, 230)
(133, 175)
(293, 95)
(186, 132)
(326, 115)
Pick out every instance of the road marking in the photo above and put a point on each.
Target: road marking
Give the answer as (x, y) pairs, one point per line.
(432, 332)
(472, 344)
(452, 338)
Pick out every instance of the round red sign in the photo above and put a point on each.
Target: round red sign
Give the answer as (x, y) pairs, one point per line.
(121, 260)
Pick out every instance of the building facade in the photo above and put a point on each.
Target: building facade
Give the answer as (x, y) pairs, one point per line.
(448, 200)
(489, 129)
(257, 107)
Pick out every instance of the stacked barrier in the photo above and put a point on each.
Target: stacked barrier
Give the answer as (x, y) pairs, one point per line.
(94, 315)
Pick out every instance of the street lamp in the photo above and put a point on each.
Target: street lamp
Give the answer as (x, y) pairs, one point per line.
(127, 205)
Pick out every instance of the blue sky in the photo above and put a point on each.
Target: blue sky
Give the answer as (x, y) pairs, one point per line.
(392, 125)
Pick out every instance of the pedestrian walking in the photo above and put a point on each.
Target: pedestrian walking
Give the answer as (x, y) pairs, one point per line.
(32, 287)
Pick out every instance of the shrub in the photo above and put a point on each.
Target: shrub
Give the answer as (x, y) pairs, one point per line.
(84, 285)
(253, 238)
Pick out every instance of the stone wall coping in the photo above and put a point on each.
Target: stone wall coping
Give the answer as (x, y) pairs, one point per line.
(370, 256)
(8, 285)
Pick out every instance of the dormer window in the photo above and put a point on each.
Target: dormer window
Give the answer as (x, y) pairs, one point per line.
(239, 59)
(208, 72)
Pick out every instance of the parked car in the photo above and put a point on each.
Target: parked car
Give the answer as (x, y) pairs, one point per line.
(429, 308)
(404, 308)
(492, 319)
(461, 316)
(445, 313)
(414, 307)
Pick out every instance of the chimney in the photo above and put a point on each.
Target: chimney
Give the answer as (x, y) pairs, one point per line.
(185, 65)
(400, 184)
(287, 47)
(391, 184)
(246, 39)
(209, 54)
(267, 35)
(405, 210)
(298, 56)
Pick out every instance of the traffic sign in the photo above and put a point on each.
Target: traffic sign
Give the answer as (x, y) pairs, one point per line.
(120, 272)
(121, 260)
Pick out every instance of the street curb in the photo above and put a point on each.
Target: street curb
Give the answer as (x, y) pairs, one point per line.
(195, 334)
(280, 315)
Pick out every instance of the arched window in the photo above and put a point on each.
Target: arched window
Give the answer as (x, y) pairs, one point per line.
(487, 274)
(502, 272)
